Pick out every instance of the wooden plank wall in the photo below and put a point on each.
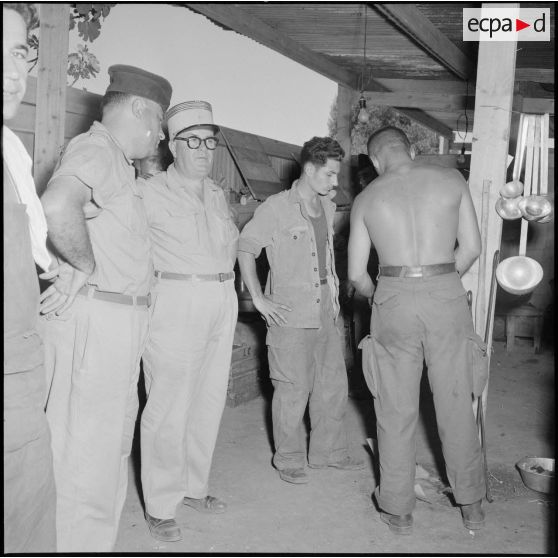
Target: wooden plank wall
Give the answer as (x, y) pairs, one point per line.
(82, 108)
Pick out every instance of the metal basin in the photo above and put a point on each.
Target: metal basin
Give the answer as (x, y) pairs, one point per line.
(519, 275)
(537, 473)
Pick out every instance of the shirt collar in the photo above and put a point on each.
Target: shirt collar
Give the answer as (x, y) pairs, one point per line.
(176, 183)
(295, 197)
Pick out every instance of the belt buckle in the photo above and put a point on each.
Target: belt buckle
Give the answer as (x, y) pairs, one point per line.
(414, 272)
(222, 278)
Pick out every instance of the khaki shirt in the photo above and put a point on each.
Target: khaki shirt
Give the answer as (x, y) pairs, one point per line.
(115, 216)
(282, 226)
(188, 236)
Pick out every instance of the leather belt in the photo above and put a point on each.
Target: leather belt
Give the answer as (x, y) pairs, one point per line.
(416, 271)
(221, 277)
(323, 281)
(119, 298)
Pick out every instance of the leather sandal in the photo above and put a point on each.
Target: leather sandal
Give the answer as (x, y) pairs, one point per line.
(209, 504)
(165, 530)
(294, 476)
(398, 524)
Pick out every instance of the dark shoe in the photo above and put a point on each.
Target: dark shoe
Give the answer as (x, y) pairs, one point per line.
(398, 524)
(295, 476)
(165, 530)
(348, 463)
(209, 504)
(473, 516)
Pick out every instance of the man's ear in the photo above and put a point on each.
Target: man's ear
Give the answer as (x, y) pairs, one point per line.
(138, 107)
(172, 148)
(309, 169)
(375, 162)
(412, 152)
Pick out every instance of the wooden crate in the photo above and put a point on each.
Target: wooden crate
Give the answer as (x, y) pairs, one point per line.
(244, 379)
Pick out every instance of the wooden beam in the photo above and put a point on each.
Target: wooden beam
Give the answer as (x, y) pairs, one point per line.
(423, 101)
(51, 91)
(539, 75)
(538, 106)
(426, 120)
(434, 86)
(416, 25)
(489, 159)
(234, 17)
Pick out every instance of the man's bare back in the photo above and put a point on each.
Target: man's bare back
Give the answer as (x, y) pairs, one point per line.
(412, 214)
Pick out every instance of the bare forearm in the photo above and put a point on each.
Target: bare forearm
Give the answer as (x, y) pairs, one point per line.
(364, 285)
(464, 259)
(68, 234)
(247, 264)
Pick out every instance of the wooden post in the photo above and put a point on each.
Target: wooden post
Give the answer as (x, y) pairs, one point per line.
(346, 98)
(51, 91)
(491, 132)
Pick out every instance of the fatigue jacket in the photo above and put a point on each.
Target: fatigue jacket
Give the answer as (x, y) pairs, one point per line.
(282, 226)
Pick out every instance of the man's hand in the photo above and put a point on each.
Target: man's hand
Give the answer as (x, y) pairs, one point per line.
(61, 294)
(270, 310)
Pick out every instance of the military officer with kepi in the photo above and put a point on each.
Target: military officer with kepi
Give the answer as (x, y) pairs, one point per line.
(188, 355)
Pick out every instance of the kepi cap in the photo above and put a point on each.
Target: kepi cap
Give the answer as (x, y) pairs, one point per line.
(135, 81)
(189, 115)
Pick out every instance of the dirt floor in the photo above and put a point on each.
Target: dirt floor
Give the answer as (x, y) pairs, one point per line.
(334, 512)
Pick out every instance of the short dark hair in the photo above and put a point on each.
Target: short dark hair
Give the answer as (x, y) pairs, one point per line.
(27, 11)
(113, 98)
(318, 150)
(389, 135)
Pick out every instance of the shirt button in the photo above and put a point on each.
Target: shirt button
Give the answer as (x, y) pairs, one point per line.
(295, 237)
(313, 253)
(317, 300)
(315, 269)
(317, 284)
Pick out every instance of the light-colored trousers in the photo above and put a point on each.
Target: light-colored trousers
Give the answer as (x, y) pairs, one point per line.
(186, 366)
(92, 356)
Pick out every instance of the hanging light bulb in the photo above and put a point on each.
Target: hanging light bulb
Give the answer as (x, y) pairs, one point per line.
(363, 116)
(461, 156)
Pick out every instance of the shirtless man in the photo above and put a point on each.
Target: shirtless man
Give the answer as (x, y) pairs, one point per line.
(413, 215)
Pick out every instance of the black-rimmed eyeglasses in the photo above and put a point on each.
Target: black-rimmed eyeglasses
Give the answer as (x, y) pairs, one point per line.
(194, 142)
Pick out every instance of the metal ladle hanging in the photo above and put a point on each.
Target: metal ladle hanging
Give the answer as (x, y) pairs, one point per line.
(520, 274)
(537, 206)
(507, 205)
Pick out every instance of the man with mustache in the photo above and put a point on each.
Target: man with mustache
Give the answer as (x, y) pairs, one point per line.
(300, 307)
(188, 355)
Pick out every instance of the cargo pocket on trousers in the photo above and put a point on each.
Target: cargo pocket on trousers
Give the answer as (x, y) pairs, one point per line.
(369, 363)
(479, 363)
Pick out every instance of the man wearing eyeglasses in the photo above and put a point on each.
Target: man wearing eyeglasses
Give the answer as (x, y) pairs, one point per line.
(188, 355)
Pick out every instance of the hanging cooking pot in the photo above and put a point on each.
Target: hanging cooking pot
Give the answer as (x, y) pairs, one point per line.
(508, 208)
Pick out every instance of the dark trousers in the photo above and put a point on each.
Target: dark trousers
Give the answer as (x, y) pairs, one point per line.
(29, 492)
(415, 320)
(307, 367)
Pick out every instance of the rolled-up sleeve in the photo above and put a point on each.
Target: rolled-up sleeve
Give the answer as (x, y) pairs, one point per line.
(91, 164)
(258, 232)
